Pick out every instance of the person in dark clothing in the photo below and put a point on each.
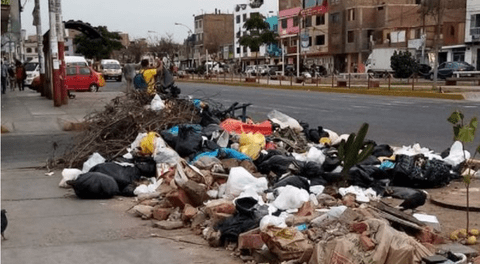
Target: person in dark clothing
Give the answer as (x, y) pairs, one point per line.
(4, 75)
(21, 75)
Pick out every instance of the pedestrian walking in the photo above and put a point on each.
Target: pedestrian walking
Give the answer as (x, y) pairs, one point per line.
(21, 75)
(4, 75)
(11, 77)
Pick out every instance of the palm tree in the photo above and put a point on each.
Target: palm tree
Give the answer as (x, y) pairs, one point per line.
(258, 33)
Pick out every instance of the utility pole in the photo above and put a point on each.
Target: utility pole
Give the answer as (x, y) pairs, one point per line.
(439, 12)
(37, 21)
(61, 51)
(55, 76)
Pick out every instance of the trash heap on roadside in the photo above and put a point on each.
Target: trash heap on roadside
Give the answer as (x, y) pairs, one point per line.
(275, 189)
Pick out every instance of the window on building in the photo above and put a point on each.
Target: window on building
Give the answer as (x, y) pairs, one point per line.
(284, 23)
(320, 20)
(309, 41)
(238, 19)
(475, 24)
(335, 18)
(308, 22)
(350, 36)
(238, 50)
(244, 49)
(293, 42)
(36, 50)
(320, 40)
(239, 33)
(29, 50)
(196, 23)
(67, 48)
(275, 28)
(351, 14)
(452, 31)
(295, 21)
(418, 2)
(244, 17)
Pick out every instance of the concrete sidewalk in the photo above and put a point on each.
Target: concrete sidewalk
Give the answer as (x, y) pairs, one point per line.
(48, 224)
(26, 112)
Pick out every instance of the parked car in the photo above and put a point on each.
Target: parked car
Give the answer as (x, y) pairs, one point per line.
(272, 71)
(251, 70)
(446, 69)
(80, 77)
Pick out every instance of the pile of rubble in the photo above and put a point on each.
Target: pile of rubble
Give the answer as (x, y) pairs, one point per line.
(271, 189)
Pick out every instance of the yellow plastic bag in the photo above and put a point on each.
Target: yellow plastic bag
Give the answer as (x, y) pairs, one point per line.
(251, 144)
(147, 144)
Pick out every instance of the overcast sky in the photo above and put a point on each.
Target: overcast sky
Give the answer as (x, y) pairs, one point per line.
(136, 18)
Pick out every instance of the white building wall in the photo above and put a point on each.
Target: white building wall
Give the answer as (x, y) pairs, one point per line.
(473, 42)
(268, 9)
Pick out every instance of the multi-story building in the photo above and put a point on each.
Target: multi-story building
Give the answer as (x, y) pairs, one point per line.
(212, 31)
(358, 26)
(243, 12)
(472, 33)
(31, 48)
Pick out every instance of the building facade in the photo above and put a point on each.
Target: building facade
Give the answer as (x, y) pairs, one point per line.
(212, 33)
(472, 33)
(242, 12)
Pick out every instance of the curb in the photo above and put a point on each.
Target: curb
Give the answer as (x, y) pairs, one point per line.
(354, 90)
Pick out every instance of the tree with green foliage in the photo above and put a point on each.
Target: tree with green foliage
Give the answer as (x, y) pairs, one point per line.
(465, 133)
(98, 48)
(257, 34)
(403, 64)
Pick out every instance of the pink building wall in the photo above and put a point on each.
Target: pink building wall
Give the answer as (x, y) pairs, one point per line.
(288, 14)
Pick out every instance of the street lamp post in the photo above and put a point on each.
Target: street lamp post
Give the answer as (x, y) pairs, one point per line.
(190, 33)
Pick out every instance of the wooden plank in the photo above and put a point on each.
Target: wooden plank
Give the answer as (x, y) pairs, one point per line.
(395, 212)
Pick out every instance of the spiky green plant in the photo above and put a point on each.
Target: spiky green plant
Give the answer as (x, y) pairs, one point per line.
(354, 150)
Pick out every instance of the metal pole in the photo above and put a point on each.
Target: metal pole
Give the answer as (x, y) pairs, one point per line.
(389, 80)
(61, 51)
(333, 78)
(37, 21)
(349, 81)
(57, 99)
(283, 61)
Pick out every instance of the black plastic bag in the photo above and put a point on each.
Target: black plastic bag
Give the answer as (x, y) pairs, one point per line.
(296, 181)
(382, 151)
(188, 141)
(146, 165)
(277, 164)
(370, 160)
(123, 175)
(247, 217)
(417, 171)
(94, 185)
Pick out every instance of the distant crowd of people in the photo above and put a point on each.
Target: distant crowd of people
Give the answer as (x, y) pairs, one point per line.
(13, 76)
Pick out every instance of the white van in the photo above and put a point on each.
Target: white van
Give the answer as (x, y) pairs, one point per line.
(76, 60)
(32, 69)
(111, 69)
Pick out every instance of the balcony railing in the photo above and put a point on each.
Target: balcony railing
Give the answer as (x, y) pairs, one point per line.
(475, 31)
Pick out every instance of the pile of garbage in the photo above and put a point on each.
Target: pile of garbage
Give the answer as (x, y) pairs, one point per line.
(298, 193)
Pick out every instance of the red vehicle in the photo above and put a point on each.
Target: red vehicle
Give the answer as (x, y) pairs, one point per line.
(80, 77)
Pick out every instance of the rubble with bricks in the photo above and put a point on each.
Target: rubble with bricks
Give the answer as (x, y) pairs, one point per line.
(277, 190)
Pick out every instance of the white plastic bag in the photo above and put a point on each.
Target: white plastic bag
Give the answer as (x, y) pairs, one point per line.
(315, 155)
(92, 161)
(166, 155)
(456, 155)
(284, 120)
(69, 175)
(362, 195)
(157, 103)
(290, 197)
(240, 180)
(270, 220)
(146, 189)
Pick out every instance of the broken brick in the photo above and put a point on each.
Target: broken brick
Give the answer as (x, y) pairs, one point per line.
(359, 227)
(196, 193)
(366, 243)
(168, 225)
(306, 209)
(220, 206)
(161, 213)
(427, 235)
(250, 240)
(189, 212)
(178, 198)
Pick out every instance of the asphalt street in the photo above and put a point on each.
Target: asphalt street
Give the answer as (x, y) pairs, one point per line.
(397, 121)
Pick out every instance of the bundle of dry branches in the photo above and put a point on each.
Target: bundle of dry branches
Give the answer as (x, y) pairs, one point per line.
(112, 131)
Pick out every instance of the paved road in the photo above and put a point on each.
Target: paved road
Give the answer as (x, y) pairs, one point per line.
(394, 120)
